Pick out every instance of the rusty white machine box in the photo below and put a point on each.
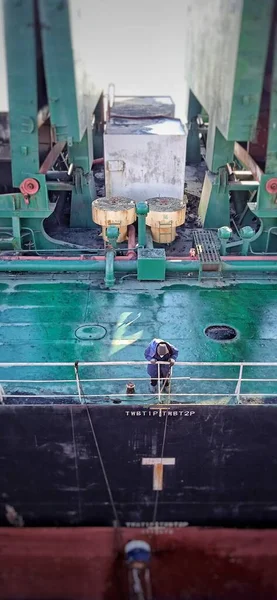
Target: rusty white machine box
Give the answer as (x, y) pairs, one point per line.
(145, 158)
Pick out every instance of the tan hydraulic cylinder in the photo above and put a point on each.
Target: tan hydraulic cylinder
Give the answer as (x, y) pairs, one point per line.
(165, 214)
(116, 210)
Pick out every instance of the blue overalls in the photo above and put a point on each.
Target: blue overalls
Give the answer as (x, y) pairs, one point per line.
(151, 352)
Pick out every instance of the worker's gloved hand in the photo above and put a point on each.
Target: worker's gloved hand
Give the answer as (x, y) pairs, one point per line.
(171, 362)
(153, 361)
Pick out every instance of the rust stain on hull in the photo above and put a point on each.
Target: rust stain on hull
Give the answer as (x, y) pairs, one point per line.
(158, 477)
(158, 470)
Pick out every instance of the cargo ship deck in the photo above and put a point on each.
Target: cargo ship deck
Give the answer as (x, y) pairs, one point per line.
(62, 319)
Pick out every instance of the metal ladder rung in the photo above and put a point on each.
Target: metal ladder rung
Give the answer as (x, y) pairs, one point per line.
(164, 226)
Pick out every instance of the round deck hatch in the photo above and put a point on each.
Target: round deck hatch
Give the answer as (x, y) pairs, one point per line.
(221, 333)
(90, 331)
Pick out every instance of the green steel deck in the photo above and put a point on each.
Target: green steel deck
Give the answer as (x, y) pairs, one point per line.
(39, 319)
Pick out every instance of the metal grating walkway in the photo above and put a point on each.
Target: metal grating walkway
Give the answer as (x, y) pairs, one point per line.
(206, 246)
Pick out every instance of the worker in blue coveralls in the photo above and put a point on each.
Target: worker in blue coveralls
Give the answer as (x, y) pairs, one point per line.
(160, 351)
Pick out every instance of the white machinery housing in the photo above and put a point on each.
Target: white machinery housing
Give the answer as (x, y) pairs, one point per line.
(145, 158)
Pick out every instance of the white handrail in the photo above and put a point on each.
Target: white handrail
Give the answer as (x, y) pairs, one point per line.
(82, 394)
(238, 386)
(119, 395)
(159, 380)
(136, 362)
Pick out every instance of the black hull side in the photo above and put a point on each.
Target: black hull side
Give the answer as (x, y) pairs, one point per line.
(220, 465)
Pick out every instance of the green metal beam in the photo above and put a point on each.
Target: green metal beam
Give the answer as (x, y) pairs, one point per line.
(193, 155)
(72, 96)
(219, 150)
(81, 153)
(214, 206)
(59, 69)
(271, 153)
(16, 232)
(20, 45)
(84, 191)
(250, 67)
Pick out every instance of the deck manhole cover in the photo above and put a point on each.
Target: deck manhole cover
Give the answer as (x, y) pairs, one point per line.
(90, 331)
(221, 333)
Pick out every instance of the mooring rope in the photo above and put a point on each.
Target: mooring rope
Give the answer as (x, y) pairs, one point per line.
(82, 399)
(162, 454)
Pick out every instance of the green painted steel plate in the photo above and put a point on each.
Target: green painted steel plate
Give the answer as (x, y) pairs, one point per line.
(39, 319)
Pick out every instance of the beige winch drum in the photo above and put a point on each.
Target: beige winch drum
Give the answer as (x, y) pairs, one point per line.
(165, 214)
(116, 210)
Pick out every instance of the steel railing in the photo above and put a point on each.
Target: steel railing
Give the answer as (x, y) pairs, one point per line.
(83, 384)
